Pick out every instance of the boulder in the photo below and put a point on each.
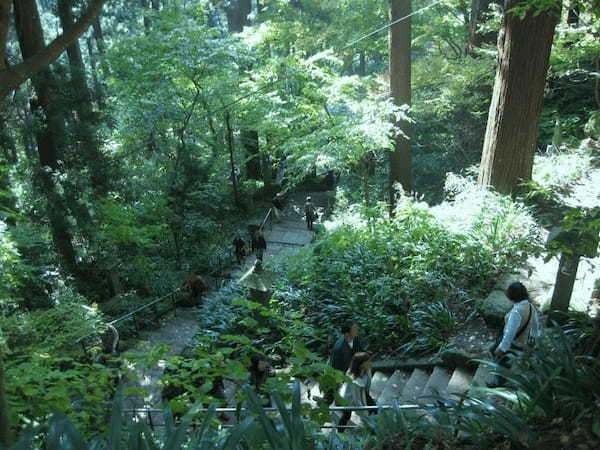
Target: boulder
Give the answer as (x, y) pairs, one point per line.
(495, 307)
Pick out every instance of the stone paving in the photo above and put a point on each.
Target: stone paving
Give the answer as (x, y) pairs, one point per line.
(284, 235)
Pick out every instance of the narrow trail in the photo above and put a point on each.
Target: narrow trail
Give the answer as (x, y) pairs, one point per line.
(284, 235)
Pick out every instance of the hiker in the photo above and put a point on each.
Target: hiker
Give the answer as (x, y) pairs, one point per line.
(259, 243)
(309, 212)
(521, 326)
(259, 370)
(343, 351)
(278, 204)
(356, 392)
(197, 286)
(239, 248)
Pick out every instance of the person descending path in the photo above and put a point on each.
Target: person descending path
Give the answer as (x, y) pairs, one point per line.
(356, 392)
(239, 248)
(278, 204)
(259, 244)
(521, 327)
(343, 351)
(197, 287)
(259, 371)
(309, 212)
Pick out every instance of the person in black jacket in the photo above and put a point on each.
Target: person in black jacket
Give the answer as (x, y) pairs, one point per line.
(343, 351)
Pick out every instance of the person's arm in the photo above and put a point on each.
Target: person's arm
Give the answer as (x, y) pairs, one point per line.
(511, 327)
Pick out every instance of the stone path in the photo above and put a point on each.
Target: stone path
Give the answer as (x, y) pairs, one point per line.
(285, 235)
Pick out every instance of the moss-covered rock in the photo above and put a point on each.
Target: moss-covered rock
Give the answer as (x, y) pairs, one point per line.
(495, 307)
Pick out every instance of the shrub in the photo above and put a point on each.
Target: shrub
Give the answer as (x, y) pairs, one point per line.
(376, 272)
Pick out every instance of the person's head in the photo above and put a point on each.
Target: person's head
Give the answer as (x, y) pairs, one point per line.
(308, 199)
(517, 292)
(350, 330)
(360, 364)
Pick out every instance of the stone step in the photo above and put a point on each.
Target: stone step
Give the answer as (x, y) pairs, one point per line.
(459, 382)
(481, 375)
(377, 384)
(437, 384)
(393, 388)
(414, 386)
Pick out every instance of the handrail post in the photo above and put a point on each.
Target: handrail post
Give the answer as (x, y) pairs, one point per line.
(149, 414)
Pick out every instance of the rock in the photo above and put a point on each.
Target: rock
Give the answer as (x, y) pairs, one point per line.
(495, 307)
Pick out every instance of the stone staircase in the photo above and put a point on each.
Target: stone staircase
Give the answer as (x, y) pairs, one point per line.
(406, 386)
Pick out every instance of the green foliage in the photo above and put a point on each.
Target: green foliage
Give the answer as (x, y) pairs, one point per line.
(377, 272)
(431, 325)
(52, 330)
(39, 384)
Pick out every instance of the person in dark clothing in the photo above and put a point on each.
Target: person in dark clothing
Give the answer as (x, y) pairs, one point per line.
(259, 372)
(278, 203)
(197, 286)
(239, 248)
(309, 212)
(343, 351)
(261, 244)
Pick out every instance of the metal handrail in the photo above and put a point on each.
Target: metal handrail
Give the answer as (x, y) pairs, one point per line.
(141, 308)
(274, 409)
(149, 411)
(130, 314)
(267, 217)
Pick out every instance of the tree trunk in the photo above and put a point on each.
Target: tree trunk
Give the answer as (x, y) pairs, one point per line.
(82, 102)
(230, 146)
(362, 64)
(5, 433)
(12, 77)
(98, 89)
(147, 21)
(155, 5)
(400, 79)
(99, 35)
(31, 40)
(237, 14)
(250, 142)
(5, 6)
(563, 286)
(512, 127)
(8, 157)
(479, 14)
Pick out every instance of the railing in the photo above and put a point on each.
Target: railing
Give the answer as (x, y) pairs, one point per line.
(139, 413)
(153, 304)
(132, 315)
(266, 219)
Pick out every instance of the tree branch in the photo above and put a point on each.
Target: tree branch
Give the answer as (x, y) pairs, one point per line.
(12, 77)
(5, 6)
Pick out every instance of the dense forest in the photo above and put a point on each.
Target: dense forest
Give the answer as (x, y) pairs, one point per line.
(444, 148)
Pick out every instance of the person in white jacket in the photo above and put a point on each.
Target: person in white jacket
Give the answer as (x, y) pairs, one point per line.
(356, 392)
(521, 326)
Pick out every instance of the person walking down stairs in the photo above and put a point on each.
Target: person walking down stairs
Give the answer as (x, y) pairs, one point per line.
(343, 351)
(356, 392)
(309, 212)
(521, 327)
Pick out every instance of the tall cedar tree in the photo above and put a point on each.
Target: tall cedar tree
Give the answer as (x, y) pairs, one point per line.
(400, 78)
(512, 129)
(12, 77)
(82, 103)
(50, 132)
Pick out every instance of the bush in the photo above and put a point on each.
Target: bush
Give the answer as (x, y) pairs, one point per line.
(376, 272)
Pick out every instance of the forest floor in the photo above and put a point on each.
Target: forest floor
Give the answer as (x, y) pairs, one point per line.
(284, 235)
